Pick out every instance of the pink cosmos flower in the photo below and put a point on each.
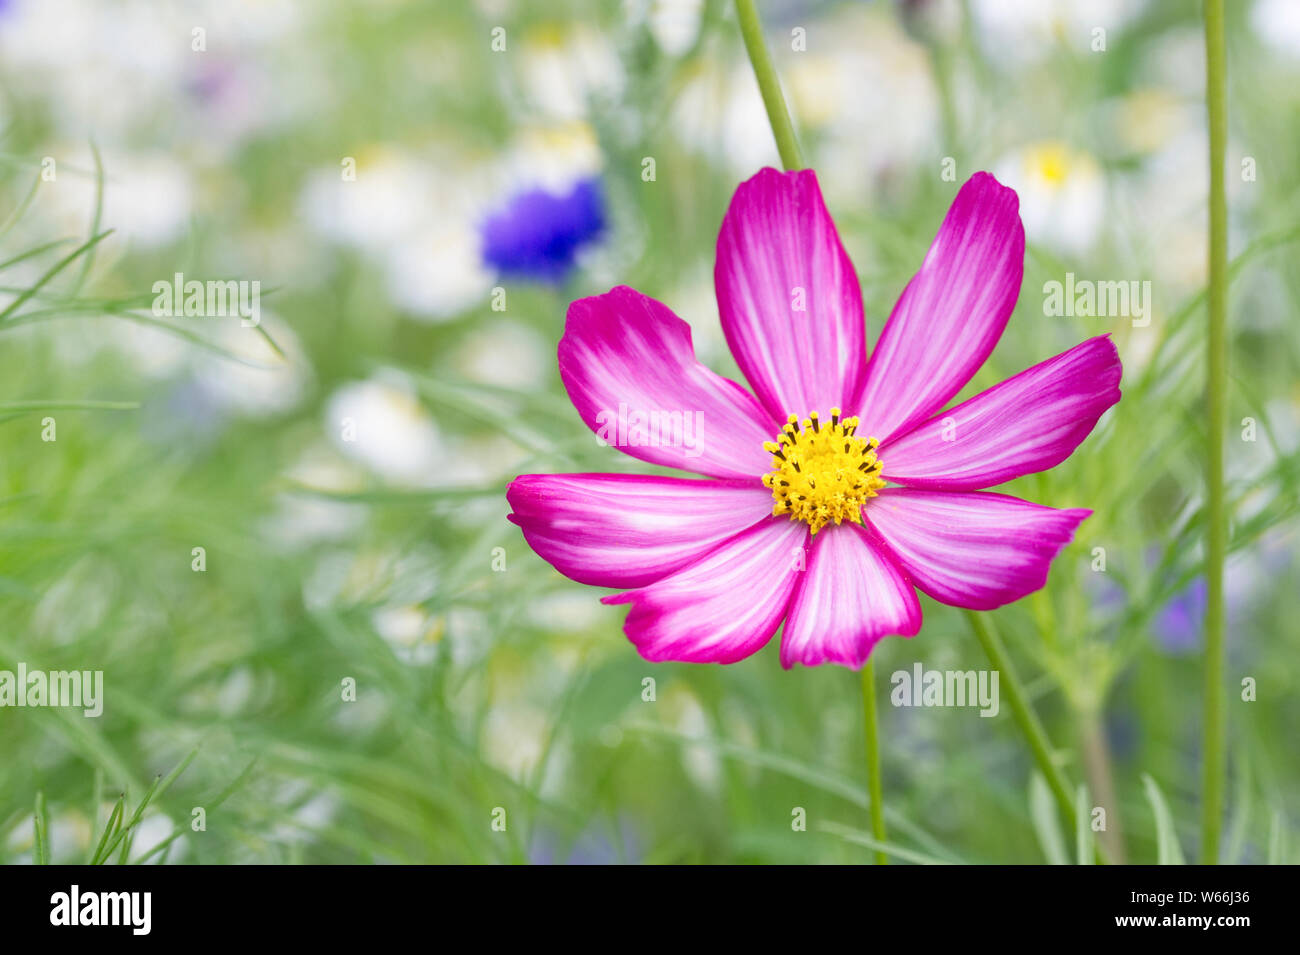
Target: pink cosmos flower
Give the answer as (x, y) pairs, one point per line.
(839, 486)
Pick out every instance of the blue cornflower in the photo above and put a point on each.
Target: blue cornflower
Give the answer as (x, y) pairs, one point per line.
(537, 233)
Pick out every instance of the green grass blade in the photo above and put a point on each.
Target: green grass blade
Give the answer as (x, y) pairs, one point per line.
(21, 210)
(1277, 840)
(866, 840)
(33, 253)
(1168, 851)
(96, 220)
(157, 788)
(110, 827)
(54, 270)
(1242, 811)
(41, 823)
(1083, 828)
(1047, 825)
(96, 797)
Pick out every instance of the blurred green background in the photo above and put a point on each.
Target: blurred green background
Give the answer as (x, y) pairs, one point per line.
(216, 139)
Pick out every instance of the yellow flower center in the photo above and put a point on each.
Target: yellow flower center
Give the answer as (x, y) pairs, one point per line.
(1051, 162)
(822, 472)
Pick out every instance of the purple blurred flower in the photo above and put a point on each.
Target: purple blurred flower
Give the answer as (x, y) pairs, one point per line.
(1179, 624)
(1107, 595)
(187, 413)
(537, 233)
(211, 80)
(593, 847)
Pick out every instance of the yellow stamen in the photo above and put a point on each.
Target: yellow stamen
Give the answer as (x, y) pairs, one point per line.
(822, 472)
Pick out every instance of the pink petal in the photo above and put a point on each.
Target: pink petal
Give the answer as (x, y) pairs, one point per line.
(629, 530)
(723, 607)
(629, 366)
(851, 595)
(950, 315)
(1028, 423)
(976, 550)
(778, 245)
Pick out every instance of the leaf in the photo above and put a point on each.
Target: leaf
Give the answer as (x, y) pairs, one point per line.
(124, 834)
(795, 770)
(56, 405)
(33, 253)
(1277, 840)
(1047, 825)
(54, 270)
(1239, 825)
(96, 797)
(110, 827)
(41, 822)
(1082, 830)
(19, 212)
(96, 220)
(858, 837)
(1168, 851)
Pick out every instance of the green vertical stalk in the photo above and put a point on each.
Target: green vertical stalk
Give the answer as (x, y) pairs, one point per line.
(1009, 686)
(768, 84)
(1024, 715)
(1101, 782)
(778, 117)
(874, 784)
(1216, 544)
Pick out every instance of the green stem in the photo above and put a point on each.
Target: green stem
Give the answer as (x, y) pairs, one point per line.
(1101, 782)
(773, 99)
(1217, 394)
(874, 785)
(778, 117)
(1010, 687)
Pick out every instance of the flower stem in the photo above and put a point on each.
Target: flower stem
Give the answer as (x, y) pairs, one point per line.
(778, 117)
(768, 84)
(1101, 782)
(1025, 717)
(1216, 399)
(874, 786)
